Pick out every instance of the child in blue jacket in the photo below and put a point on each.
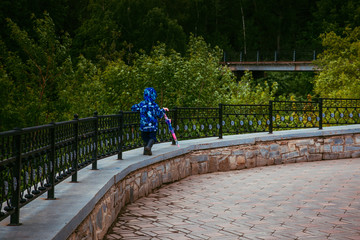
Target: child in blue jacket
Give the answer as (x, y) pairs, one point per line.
(149, 113)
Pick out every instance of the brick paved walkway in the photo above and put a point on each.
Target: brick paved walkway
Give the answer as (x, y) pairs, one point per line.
(313, 200)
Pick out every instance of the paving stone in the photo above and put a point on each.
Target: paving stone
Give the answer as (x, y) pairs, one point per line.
(308, 200)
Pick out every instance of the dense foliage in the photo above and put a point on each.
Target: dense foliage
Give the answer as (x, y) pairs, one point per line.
(102, 27)
(60, 57)
(41, 83)
(340, 64)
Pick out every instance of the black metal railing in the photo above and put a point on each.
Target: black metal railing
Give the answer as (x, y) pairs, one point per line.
(34, 160)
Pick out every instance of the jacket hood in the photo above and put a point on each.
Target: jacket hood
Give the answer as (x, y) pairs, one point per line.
(150, 94)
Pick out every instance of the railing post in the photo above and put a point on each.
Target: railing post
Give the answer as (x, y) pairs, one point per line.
(294, 56)
(75, 149)
(174, 122)
(320, 113)
(224, 56)
(120, 136)
(275, 57)
(270, 116)
(95, 141)
(314, 55)
(15, 199)
(257, 56)
(51, 191)
(241, 56)
(220, 121)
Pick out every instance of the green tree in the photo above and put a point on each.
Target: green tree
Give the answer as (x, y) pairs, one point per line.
(186, 81)
(245, 93)
(336, 15)
(339, 64)
(98, 36)
(84, 93)
(157, 27)
(41, 66)
(296, 84)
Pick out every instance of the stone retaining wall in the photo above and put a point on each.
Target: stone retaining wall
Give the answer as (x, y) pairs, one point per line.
(143, 181)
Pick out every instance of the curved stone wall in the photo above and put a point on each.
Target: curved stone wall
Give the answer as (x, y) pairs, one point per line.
(140, 178)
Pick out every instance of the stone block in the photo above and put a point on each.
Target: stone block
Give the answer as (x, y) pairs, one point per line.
(232, 162)
(213, 164)
(129, 180)
(303, 150)
(304, 142)
(327, 148)
(264, 152)
(160, 168)
(131, 194)
(352, 148)
(224, 164)
(144, 177)
(236, 162)
(349, 140)
(315, 157)
(142, 192)
(357, 138)
(238, 152)
(251, 153)
(203, 167)
(355, 154)
(312, 150)
(278, 161)
(290, 155)
(301, 159)
(330, 156)
(345, 155)
(271, 161)
(250, 163)
(240, 162)
(289, 160)
(335, 141)
(292, 146)
(284, 149)
(137, 181)
(337, 149)
(199, 158)
(99, 218)
(214, 153)
(194, 168)
(150, 173)
(168, 178)
(260, 162)
(274, 147)
(274, 154)
(168, 165)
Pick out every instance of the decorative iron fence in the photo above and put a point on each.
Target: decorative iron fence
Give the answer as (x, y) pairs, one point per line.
(34, 160)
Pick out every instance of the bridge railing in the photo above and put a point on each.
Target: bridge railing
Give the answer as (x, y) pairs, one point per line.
(34, 160)
(270, 56)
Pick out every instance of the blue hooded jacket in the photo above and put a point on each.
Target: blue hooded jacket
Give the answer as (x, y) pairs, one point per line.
(149, 111)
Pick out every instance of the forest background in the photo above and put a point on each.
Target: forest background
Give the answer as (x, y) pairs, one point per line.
(60, 57)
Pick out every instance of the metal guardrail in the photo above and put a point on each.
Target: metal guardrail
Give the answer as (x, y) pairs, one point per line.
(270, 56)
(34, 160)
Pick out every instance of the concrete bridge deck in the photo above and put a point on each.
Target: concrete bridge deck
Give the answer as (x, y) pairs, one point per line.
(287, 66)
(327, 199)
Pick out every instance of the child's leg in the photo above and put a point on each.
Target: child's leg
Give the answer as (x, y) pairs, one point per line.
(145, 137)
(151, 141)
